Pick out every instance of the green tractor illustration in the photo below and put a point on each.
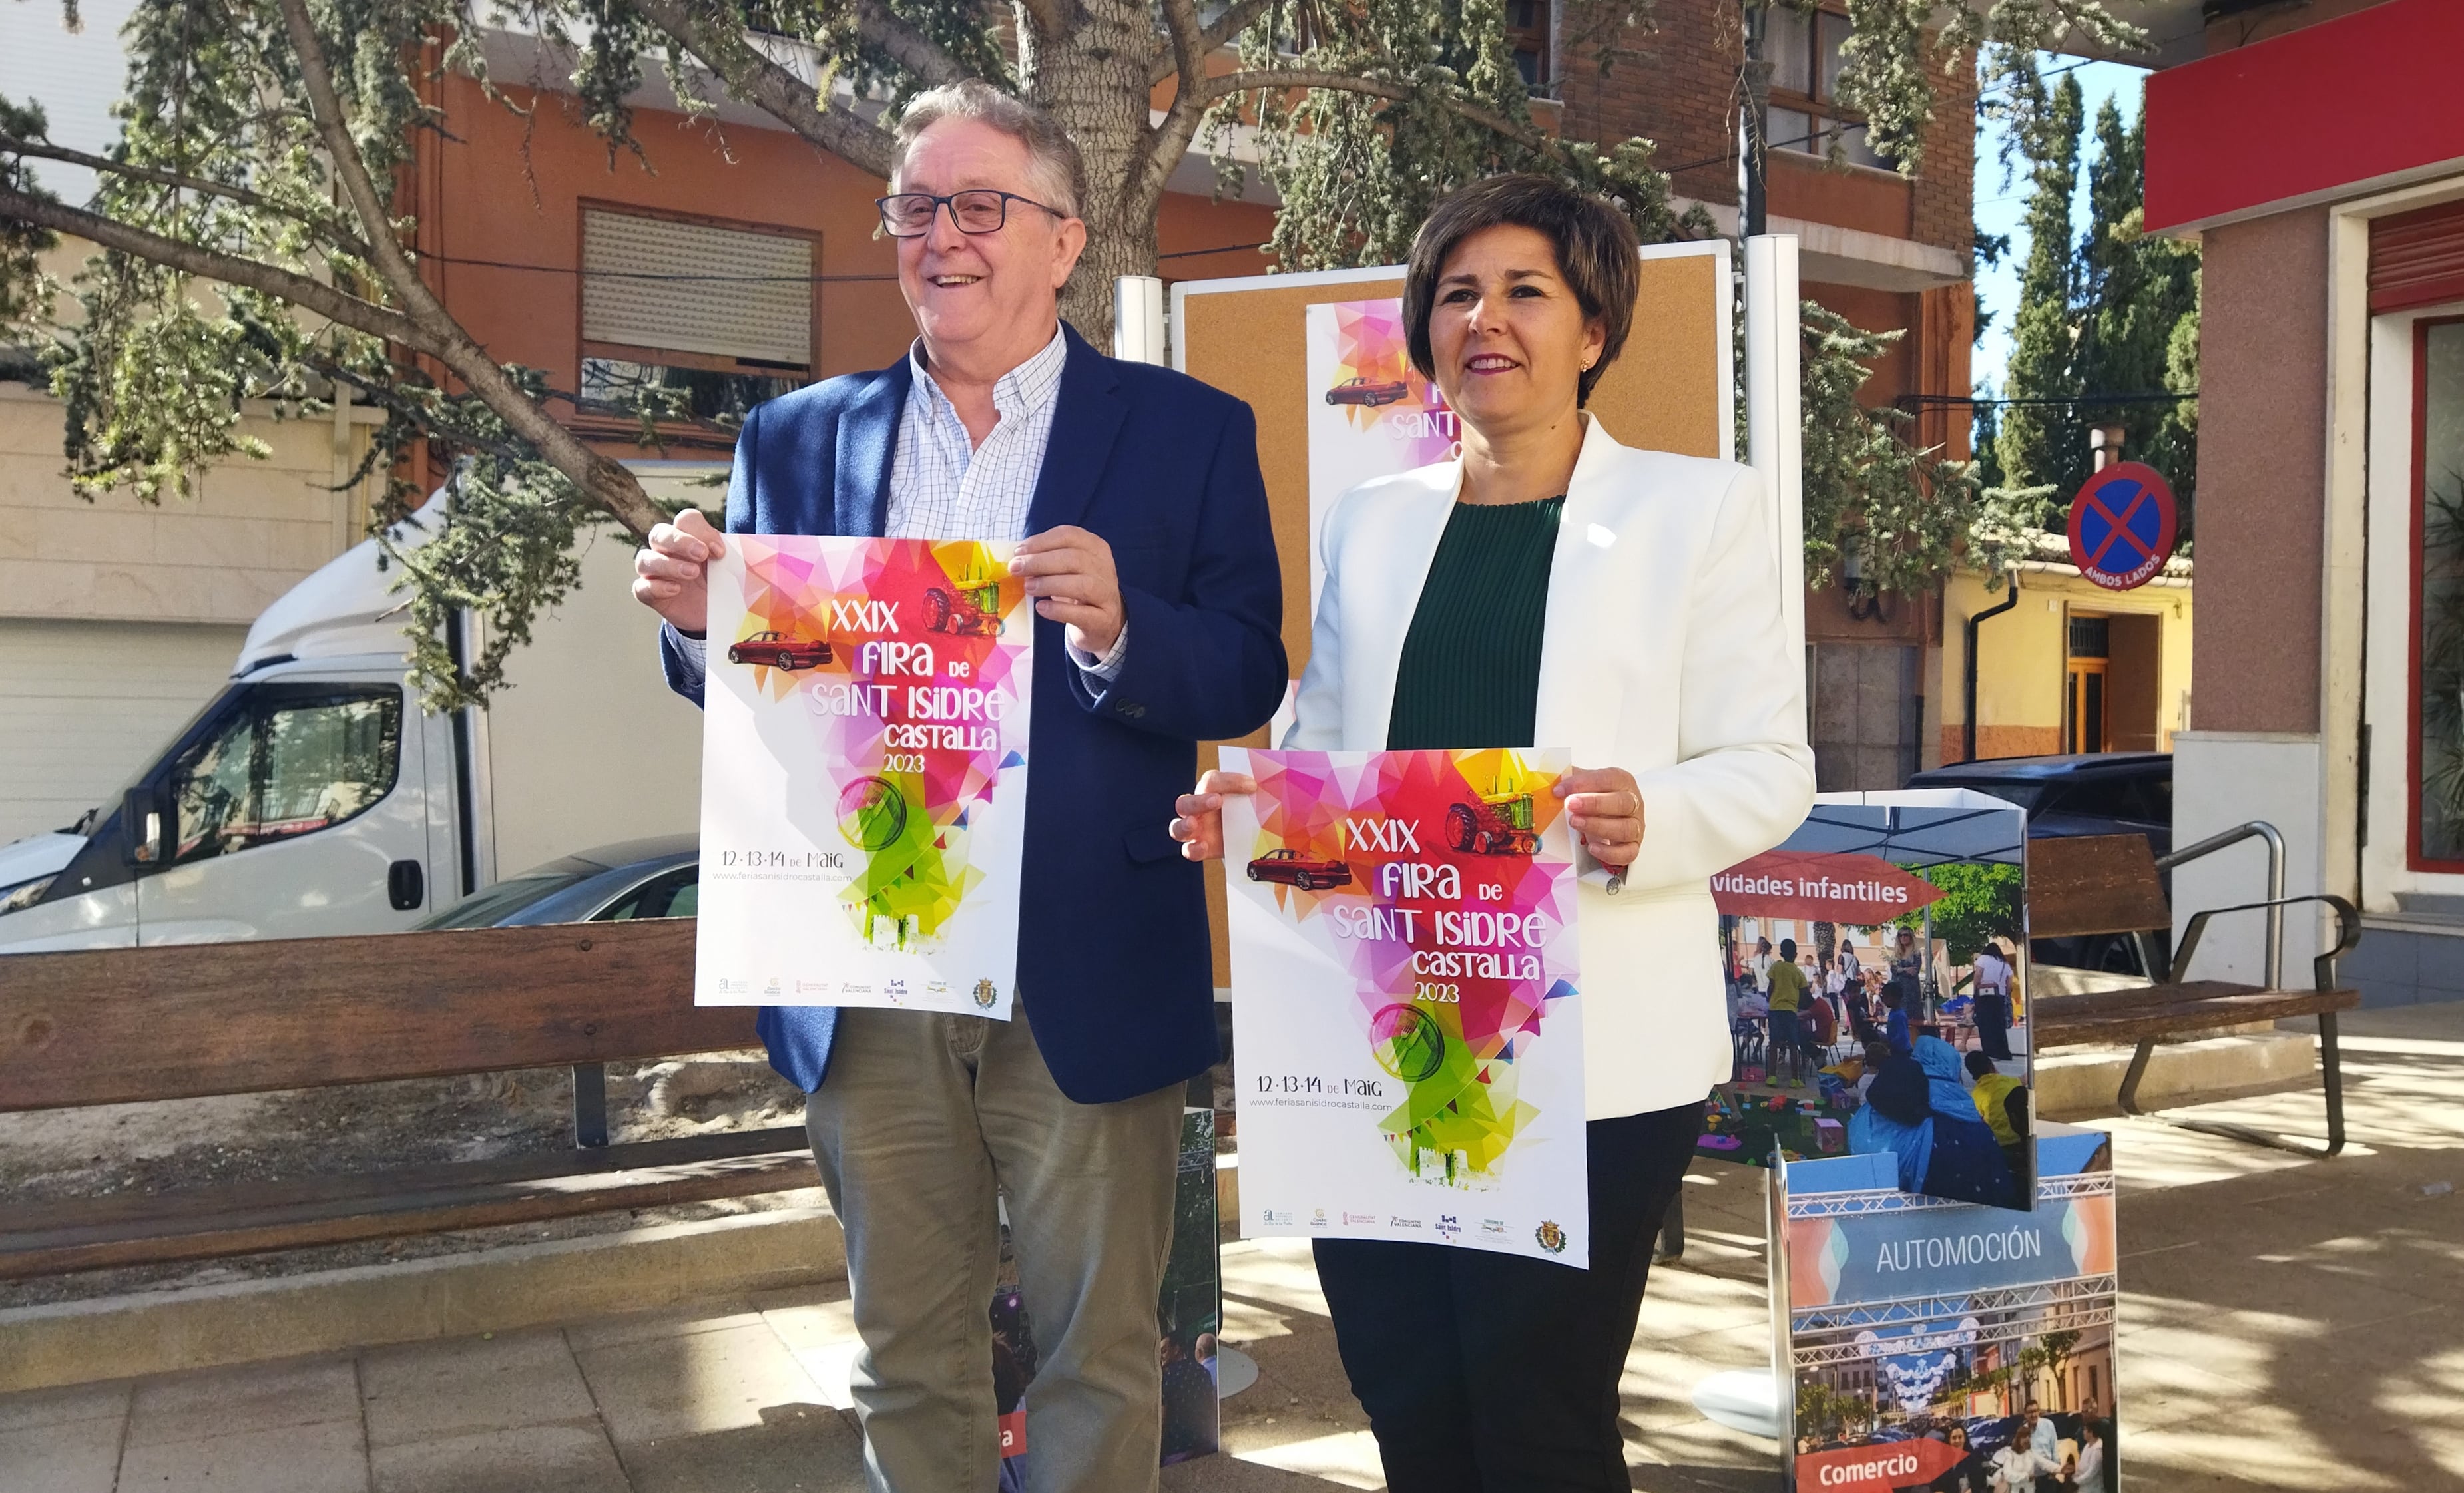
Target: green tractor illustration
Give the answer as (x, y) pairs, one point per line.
(1497, 824)
(969, 609)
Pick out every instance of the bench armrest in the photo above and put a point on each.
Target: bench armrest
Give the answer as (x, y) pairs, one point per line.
(2349, 933)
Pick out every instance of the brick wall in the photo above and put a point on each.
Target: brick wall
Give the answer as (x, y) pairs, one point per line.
(1682, 93)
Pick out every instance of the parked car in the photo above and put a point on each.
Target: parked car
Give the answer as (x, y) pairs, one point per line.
(780, 651)
(1372, 392)
(1293, 869)
(638, 878)
(2107, 793)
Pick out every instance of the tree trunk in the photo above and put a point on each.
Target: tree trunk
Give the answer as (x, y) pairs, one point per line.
(1092, 76)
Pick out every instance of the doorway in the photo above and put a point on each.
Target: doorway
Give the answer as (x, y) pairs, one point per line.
(2110, 678)
(2084, 719)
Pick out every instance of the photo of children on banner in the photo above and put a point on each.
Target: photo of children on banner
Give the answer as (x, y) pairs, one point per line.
(1876, 996)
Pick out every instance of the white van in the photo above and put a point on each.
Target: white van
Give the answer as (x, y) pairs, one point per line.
(313, 795)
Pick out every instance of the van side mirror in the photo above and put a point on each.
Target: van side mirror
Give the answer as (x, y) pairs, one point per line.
(141, 817)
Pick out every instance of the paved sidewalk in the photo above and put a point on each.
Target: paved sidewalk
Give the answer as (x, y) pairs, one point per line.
(2286, 1325)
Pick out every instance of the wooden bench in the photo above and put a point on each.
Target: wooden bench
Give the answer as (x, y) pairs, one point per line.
(2112, 883)
(114, 1026)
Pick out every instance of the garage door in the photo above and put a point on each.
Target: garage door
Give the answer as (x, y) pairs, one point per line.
(83, 705)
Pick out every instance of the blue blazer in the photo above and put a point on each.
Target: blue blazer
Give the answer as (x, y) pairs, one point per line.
(1114, 972)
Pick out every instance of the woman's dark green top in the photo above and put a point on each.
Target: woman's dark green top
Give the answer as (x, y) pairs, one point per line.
(1470, 673)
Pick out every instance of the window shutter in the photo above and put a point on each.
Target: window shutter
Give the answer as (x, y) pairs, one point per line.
(758, 306)
(2417, 259)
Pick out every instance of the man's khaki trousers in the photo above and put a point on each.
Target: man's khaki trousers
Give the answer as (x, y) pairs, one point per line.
(923, 1121)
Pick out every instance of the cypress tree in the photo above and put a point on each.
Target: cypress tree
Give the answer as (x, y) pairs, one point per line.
(2032, 439)
(2136, 296)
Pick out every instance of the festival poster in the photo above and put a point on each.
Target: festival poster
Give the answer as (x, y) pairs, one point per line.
(1371, 414)
(1404, 1000)
(1905, 916)
(863, 777)
(1931, 1343)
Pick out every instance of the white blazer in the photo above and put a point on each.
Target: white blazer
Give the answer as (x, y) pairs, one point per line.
(1664, 654)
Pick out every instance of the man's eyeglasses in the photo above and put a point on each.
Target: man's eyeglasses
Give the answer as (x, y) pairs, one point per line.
(978, 209)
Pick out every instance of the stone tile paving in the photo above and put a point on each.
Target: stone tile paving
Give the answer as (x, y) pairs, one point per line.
(2286, 1325)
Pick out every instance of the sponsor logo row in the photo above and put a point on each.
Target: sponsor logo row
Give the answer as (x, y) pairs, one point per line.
(1446, 1225)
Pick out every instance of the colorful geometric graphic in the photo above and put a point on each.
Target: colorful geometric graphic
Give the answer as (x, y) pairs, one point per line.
(910, 701)
(1437, 880)
(1375, 384)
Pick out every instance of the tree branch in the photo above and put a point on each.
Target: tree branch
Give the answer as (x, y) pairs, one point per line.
(1049, 23)
(1231, 23)
(343, 238)
(298, 290)
(600, 478)
(1380, 88)
(776, 92)
(1168, 142)
(916, 51)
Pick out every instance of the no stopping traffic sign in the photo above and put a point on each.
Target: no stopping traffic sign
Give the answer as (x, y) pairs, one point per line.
(2121, 527)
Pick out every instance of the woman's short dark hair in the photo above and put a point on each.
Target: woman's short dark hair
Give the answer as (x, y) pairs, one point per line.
(1596, 254)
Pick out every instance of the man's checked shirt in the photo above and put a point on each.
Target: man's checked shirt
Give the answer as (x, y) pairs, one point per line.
(942, 486)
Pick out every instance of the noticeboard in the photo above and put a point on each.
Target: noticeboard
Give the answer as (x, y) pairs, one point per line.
(1671, 389)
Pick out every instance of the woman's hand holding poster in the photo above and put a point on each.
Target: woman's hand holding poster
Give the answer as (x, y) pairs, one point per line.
(1409, 1038)
(864, 788)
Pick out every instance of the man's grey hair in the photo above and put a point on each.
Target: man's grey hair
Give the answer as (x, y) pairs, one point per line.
(1058, 174)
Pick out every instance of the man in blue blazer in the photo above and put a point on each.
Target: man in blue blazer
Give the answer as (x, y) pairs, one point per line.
(1136, 496)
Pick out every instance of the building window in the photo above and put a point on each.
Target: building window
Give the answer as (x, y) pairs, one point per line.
(2438, 595)
(720, 314)
(1803, 48)
(1527, 34)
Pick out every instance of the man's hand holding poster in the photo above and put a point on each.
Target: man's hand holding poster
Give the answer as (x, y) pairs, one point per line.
(1404, 1006)
(865, 782)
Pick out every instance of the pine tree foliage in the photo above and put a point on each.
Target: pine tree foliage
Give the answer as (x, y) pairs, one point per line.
(1891, 61)
(1907, 514)
(2035, 439)
(246, 251)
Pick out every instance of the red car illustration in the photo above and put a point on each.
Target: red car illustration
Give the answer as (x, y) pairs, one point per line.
(780, 651)
(1307, 873)
(1372, 392)
(1499, 825)
(972, 612)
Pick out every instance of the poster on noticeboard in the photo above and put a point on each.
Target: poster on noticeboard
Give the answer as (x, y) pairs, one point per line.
(1876, 971)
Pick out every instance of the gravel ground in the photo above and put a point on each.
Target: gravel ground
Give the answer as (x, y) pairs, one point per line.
(153, 1147)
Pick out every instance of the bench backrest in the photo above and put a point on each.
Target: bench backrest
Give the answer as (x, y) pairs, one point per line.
(178, 1022)
(2094, 884)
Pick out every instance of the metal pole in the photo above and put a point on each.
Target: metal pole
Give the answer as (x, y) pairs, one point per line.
(1137, 319)
(1775, 410)
(1753, 126)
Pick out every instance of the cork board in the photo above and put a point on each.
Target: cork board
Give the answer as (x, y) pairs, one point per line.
(1669, 390)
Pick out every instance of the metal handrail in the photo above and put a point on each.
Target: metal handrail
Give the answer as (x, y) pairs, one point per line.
(2257, 828)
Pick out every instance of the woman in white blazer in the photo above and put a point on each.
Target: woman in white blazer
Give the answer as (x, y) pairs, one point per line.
(1554, 589)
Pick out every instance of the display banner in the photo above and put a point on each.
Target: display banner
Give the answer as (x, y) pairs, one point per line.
(864, 775)
(1902, 1025)
(1939, 1345)
(1403, 976)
